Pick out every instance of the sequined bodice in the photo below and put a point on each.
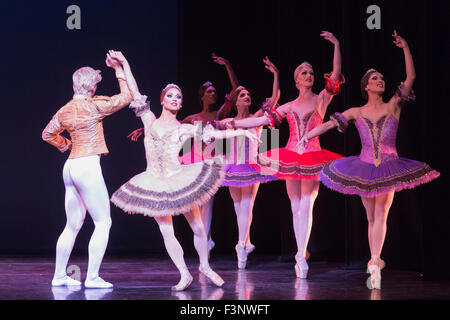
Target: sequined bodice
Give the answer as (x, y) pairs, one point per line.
(298, 127)
(162, 152)
(378, 139)
(242, 149)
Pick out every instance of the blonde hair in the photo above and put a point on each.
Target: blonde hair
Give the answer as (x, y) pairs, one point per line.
(85, 80)
(299, 68)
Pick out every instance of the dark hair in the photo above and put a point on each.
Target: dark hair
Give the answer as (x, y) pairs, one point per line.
(235, 93)
(365, 81)
(202, 90)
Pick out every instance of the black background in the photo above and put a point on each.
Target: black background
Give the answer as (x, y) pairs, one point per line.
(172, 41)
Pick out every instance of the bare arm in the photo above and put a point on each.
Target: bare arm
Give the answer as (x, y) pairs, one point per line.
(231, 75)
(407, 85)
(337, 58)
(128, 74)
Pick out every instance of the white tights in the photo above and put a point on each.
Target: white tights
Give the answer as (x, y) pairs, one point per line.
(244, 200)
(174, 248)
(302, 194)
(85, 189)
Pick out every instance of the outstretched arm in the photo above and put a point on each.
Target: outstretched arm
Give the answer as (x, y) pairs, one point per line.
(338, 120)
(406, 86)
(212, 134)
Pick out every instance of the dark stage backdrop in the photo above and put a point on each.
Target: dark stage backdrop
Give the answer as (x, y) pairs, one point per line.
(172, 41)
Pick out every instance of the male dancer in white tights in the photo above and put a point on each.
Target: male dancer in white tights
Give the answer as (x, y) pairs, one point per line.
(85, 188)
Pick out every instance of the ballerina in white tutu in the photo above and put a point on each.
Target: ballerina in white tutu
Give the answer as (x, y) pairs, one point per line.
(168, 188)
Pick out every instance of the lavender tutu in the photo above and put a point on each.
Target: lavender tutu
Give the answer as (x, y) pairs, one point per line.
(238, 172)
(244, 175)
(378, 169)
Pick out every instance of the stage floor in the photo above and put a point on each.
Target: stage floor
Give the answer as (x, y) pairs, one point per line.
(266, 278)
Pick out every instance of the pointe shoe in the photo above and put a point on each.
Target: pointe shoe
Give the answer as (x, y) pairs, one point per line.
(185, 281)
(65, 281)
(211, 275)
(301, 268)
(241, 255)
(249, 247)
(381, 264)
(375, 276)
(211, 244)
(97, 283)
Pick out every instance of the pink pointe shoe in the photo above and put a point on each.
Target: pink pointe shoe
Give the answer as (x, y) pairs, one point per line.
(374, 267)
(241, 255)
(301, 268)
(211, 275)
(185, 281)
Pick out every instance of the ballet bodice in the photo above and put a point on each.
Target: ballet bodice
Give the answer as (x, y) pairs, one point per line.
(162, 151)
(378, 139)
(298, 127)
(242, 149)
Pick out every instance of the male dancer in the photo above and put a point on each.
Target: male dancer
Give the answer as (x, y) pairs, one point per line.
(85, 187)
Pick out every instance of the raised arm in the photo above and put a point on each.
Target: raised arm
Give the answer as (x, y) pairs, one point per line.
(140, 105)
(226, 108)
(405, 88)
(334, 79)
(231, 75)
(272, 101)
(128, 74)
(109, 105)
(337, 58)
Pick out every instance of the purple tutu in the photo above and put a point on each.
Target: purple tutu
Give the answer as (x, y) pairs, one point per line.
(244, 175)
(351, 175)
(378, 169)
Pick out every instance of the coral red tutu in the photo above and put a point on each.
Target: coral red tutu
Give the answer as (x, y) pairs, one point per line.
(286, 164)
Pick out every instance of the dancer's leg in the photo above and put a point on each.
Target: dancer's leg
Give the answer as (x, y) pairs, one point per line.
(302, 194)
(201, 245)
(174, 250)
(75, 212)
(382, 205)
(247, 203)
(206, 215)
(369, 205)
(88, 179)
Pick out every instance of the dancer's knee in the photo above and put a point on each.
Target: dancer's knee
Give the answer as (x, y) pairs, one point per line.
(166, 231)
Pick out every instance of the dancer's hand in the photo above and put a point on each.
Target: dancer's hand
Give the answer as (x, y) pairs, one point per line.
(330, 37)
(227, 123)
(301, 145)
(219, 60)
(270, 66)
(134, 136)
(399, 41)
(112, 63)
(118, 56)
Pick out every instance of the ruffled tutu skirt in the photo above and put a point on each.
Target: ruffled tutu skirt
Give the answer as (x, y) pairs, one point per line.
(155, 196)
(353, 176)
(286, 164)
(241, 175)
